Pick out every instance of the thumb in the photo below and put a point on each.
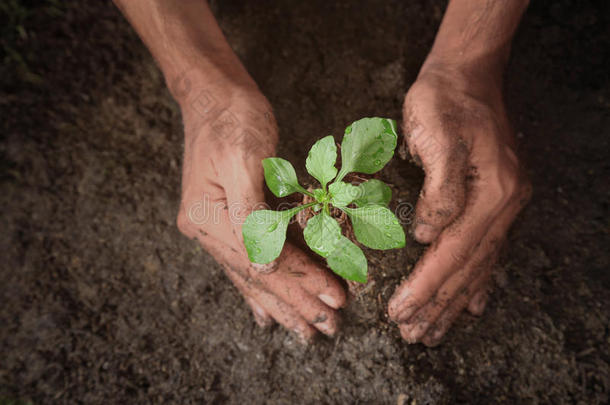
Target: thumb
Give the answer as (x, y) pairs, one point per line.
(444, 158)
(244, 194)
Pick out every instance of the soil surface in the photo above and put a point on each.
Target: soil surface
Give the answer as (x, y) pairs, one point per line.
(103, 301)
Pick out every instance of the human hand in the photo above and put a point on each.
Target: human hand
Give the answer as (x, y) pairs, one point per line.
(228, 131)
(456, 127)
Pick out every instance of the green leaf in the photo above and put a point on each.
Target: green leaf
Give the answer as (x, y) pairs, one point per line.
(342, 193)
(348, 261)
(281, 177)
(321, 160)
(322, 234)
(367, 146)
(264, 233)
(376, 227)
(373, 192)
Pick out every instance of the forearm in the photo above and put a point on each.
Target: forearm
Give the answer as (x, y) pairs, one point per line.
(185, 39)
(475, 36)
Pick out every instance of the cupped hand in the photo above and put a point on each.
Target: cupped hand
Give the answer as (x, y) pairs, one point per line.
(227, 134)
(473, 190)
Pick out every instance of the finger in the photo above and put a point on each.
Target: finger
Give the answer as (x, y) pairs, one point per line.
(478, 302)
(442, 197)
(440, 328)
(204, 207)
(427, 317)
(253, 289)
(312, 277)
(243, 183)
(454, 246)
(443, 258)
(243, 196)
(280, 311)
(290, 299)
(444, 157)
(480, 262)
(300, 283)
(290, 283)
(262, 317)
(219, 193)
(314, 311)
(205, 214)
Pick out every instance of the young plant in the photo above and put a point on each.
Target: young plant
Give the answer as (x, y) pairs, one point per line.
(368, 144)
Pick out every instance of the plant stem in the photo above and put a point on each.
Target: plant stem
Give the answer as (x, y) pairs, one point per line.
(340, 176)
(303, 191)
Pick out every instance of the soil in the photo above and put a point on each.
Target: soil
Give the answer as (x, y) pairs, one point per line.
(103, 301)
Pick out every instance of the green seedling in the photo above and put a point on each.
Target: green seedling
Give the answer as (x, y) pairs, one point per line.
(368, 144)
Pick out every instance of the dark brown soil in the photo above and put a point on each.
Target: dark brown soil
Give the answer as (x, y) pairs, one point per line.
(102, 301)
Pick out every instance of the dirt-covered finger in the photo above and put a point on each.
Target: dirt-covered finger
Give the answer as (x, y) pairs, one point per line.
(425, 320)
(206, 213)
(283, 313)
(471, 293)
(262, 317)
(310, 307)
(460, 270)
(436, 333)
(319, 282)
(480, 262)
(244, 187)
(478, 302)
(443, 195)
(236, 267)
(436, 143)
(446, 256)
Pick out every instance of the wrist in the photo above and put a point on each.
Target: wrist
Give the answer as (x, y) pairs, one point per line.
(474, 40)
(220, 78)
(480, 77)
(226, 106)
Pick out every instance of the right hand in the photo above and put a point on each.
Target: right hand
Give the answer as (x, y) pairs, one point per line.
(228, 131)
(456, 125)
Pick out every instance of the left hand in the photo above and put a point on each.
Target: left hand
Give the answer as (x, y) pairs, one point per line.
(474, 188)
(222, 183)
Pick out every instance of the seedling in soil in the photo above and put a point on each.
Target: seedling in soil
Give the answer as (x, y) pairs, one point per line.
(368, 144)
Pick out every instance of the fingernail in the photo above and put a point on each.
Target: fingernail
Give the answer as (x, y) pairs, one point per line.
(395, 306)
(419, 330)
(259, 311)
(301, 337)
(406, 333)
(328, 300)
(479, 305)
(325, 328)
(438, 334)
(425, 233)
(322, 323)
(404, 315)
(259, 321)
(431, 341)
(260, 316)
